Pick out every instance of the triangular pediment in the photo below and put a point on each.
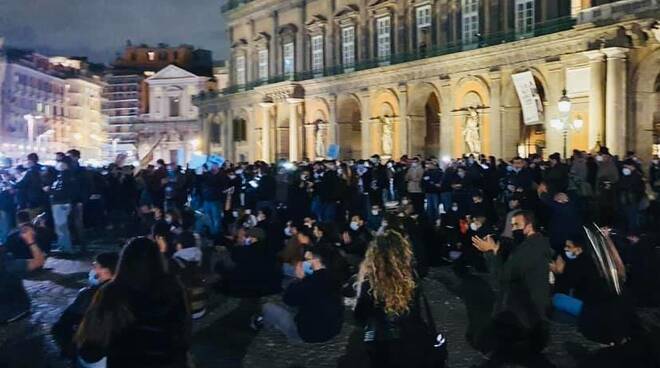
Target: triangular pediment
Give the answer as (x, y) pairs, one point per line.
(172, 72)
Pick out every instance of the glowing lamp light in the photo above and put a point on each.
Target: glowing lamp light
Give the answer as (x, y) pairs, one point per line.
(288, 166)
(578, 123)
(564, 104)
(195, 143)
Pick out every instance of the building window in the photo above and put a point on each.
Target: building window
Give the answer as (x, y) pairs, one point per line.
(215, 133)
(151, 56)
(470, 21)
(383, 32)
(288, 58)
(524, 16)
(263, 64)
(240, 70)
(175, 103)
(317, 53)
(348, 46)
(423, 18)
(240, 130)
(176, 55)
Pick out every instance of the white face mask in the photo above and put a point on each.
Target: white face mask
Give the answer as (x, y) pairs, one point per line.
(288, 232)
(570, 255)
(92, 279)
(599, 158)
(354, 226)
(234, 213)
(405, 202)
(474, 226)
(626, 171)
(375, 212)
(454, 208)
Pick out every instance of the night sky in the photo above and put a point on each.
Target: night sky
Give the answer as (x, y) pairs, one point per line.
(99, 29)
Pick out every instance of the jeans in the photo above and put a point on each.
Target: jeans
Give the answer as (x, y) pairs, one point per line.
(77, 222)
(432, 203)
(212, 210)
(328, 211)
(446, 199)
(61, 214)
(5, 225)
(279, 317)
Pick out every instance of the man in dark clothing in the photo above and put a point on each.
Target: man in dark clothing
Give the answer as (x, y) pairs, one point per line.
(431, 183)
(30, 187)
(80, 197)
(564, 218)
(378, 181)
(518, 327)
(265, 191)
(17, 246)
(14, 301)
(213, 183)
(62, 193)
(630, 192)
(65, 328)
(328, 192)
(556, 177)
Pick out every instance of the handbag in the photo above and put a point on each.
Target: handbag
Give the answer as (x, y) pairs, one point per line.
(437, 343)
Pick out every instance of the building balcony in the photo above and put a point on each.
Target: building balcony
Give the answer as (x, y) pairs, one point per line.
(540, 29)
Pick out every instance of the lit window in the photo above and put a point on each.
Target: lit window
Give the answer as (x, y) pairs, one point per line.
(383, 32)
(470, 21)
(288, 58)
(240, 70)
(423, 18)
(348, 46)
(151, 55)
(263, 64)
(317, 53)
(524, 16)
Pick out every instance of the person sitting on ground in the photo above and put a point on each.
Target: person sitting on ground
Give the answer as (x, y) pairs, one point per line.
(604, 316)
(355, 240)
(317, 298)
(15, 243)
(186, 264)
(14, 301)
(140, 318)
(65, 328)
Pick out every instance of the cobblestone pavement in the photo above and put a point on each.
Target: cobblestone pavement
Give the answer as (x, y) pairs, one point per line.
(223, 339)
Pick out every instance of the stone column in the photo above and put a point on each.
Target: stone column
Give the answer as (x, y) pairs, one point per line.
(403, 136)
(556, 83)
(332, 123)
(294, 127)
(229, 136)
(250, 128)
(596, 96)
(365, 125)
(615, 100)
(265, 131)
(497, 147)
(446, 121)
(274, 49)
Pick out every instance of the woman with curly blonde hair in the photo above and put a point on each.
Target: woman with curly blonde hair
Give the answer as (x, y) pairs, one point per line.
(388, 302)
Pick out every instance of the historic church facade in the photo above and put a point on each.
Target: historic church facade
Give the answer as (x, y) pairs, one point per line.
(434, 78)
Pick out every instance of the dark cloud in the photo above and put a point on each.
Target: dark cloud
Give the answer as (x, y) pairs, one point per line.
(99, 28)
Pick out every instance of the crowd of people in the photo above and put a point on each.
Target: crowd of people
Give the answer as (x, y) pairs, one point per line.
(323, 232)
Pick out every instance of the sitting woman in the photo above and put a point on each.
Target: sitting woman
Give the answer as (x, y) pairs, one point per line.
(140, 318)
(388, 304)
(603, 316)
(314, 310)
(294, 252)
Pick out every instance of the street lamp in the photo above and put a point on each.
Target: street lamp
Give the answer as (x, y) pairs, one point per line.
(563, 124)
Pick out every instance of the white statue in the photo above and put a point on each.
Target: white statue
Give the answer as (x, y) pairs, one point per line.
(471, 131)
(320, 141)
(387, 136)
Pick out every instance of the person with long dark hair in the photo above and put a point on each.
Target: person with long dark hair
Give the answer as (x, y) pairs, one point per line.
(141, 317)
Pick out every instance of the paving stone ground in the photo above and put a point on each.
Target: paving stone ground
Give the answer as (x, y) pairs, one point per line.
(223, 339)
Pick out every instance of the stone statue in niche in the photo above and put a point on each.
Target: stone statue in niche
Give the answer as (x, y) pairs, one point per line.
(319, 141)
(471, 131)
(387, 136)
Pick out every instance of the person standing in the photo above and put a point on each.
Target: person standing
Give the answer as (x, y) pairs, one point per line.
(80, 197)
(30, 187)
(432, 181)
(414, 177)
(631, 191)
(518, 327)
(213, 183)
(62, 192)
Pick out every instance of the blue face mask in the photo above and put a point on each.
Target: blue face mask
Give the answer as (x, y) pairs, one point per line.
(307, 267)
(92, 280)
(570, 255)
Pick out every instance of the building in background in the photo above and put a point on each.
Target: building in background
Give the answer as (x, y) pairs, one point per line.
(133, 124)
(436, 78)
(221, 74)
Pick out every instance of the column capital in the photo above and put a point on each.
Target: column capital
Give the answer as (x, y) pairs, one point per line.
(595, 55)
(294, 101)
(616, 52)
(403, 87)
(266, 105)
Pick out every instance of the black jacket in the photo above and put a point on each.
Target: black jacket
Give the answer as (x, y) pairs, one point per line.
(66, 326)
(64, 189)
(320, 306)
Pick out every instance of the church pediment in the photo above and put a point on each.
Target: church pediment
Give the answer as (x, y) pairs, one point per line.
(171, 72)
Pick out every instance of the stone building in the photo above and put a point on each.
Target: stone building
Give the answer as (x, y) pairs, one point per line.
(419, 76)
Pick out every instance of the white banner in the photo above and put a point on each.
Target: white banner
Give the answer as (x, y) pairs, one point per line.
(530, 100)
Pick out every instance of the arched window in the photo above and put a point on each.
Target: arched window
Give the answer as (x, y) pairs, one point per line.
(240, 130)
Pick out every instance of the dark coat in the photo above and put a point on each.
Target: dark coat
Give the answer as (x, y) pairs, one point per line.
(320, 306)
